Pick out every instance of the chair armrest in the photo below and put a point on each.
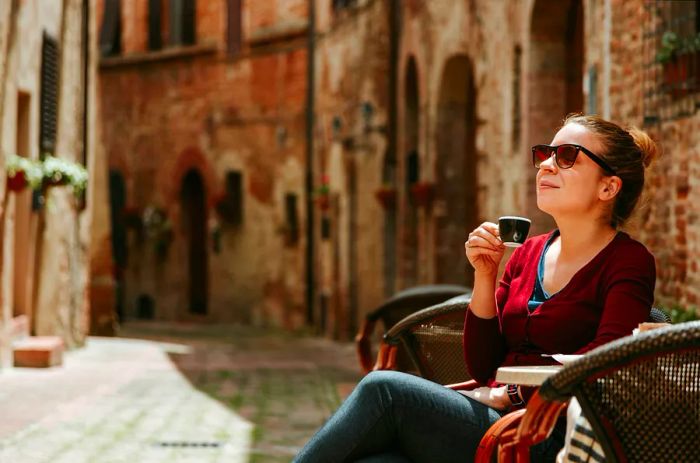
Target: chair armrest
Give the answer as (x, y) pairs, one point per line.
(363, 344)
(490, 441)
(535, 426)
(465, 386)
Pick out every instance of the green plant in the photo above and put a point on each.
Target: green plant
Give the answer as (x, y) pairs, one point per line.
(59, 171)
(680, 314)
(31, 169)
(158, 229)
(670, 46)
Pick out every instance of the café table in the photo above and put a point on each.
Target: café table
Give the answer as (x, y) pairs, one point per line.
(526, 375)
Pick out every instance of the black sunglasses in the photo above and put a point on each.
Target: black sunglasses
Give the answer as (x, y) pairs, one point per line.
(565, 156)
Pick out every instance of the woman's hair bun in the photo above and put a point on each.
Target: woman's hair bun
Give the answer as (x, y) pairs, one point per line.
(648, 147)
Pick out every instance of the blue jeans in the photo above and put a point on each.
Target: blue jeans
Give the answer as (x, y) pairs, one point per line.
(397, 417)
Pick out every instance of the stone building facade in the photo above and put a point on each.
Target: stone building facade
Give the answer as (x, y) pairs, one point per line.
(204, 125)
(47, 88)
(423, 115)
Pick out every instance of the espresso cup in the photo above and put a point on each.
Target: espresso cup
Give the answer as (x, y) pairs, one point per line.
(513, 230)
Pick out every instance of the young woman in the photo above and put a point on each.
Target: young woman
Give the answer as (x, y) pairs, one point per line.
(578, 287)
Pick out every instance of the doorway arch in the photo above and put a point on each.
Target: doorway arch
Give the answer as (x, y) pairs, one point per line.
(409, 260)
(194, 221)
(456, 181)
(555, 79)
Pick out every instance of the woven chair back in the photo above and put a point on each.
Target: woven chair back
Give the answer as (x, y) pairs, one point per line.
(432, 340)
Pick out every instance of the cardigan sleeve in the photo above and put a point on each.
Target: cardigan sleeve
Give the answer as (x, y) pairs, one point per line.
(629, 295)
(484, 345)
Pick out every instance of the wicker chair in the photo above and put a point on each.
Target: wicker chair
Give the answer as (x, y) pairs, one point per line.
(641, 395)
(432, 339)
(396, 308)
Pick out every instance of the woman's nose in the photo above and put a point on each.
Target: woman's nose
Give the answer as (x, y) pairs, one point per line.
(549, 163)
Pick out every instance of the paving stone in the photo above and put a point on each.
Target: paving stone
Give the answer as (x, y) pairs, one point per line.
(176, 393)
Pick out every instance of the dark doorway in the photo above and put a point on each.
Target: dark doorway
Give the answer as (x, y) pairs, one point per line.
(456, 209)
(555, 81)
(409, 260)
(194, 220)
(117, 201)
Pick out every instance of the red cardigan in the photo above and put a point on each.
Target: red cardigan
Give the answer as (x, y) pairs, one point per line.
(605, 300)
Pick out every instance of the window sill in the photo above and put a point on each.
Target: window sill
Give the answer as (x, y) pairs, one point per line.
(166, 54)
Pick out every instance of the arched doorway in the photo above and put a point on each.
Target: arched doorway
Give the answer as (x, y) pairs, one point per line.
(456, 210)
(409, 260)
(117, 202)
(555, 79)
(194, 220)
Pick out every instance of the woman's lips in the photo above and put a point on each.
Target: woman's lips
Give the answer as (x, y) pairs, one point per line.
(546, 186)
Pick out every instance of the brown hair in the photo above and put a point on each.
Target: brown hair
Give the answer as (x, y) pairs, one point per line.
(628, 151)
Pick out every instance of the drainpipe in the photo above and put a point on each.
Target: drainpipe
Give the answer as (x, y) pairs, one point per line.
(309, 174)
(392, 138)
(86, 76)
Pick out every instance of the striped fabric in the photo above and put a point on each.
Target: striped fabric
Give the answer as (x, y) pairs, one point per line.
(581, 445)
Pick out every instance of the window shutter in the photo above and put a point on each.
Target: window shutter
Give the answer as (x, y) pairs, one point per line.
(110, 34)
(234, 32)
(292, 218)
(155, 38)
(49, 95)
(189, 29)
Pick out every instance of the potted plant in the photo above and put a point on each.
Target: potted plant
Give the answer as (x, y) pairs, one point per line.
(323, 194)
(678, 57)
(22, 172)
(386, 195)
(158, 229)
(422, 193)
(59, 171)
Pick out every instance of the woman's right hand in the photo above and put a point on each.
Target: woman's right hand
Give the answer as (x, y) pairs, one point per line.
(484, 248)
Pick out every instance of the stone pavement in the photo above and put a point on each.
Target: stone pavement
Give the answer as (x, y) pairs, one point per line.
(175, 393)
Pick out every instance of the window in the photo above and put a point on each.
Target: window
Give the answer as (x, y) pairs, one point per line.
(155, 34)
(182, 22)
(291, 219)
(517, 76)
(671, 53)
(49, 95)
(234, 30)
(232, 208)
(342, 4)
(110, 34)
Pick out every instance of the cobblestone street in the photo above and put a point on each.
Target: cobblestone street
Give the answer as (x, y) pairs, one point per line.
(176, 393)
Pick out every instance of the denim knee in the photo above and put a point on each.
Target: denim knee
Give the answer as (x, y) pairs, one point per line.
(381, 385)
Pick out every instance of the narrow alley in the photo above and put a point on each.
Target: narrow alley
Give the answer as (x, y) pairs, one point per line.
(199, 393)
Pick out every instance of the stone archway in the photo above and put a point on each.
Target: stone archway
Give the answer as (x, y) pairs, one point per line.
(194, 222)
(411, 134)
(555, 79)
(455, 210)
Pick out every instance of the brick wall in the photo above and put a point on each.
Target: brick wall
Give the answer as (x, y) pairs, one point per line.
(171, 111)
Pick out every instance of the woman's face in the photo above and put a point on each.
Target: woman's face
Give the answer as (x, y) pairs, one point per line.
(578, 190)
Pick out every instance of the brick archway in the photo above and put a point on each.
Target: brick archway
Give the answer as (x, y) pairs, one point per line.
(456, 182)
(190, 158)
(555, 79)
(411, 174)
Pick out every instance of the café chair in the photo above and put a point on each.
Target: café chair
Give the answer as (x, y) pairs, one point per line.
(641, 395)
(432, 341)
(396, 308)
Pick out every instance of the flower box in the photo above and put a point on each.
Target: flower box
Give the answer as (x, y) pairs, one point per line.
(17, 182)
(386, 196)
(422, 193)
(22, 172)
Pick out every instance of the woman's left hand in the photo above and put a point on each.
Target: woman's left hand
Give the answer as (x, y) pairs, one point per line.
(494, 397)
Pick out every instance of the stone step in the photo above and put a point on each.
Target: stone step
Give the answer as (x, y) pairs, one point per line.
(38, 352)
(19, 328)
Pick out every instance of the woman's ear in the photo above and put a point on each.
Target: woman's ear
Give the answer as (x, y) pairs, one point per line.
(609, 187)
